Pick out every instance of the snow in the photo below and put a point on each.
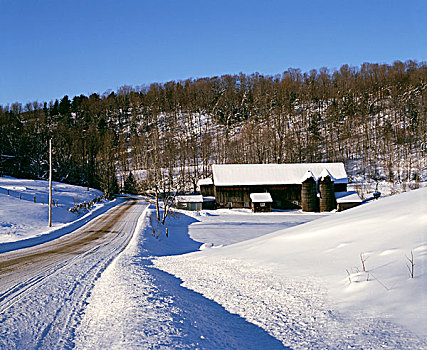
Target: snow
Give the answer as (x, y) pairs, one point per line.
(23, 222)
(308, 175)
(237, 280)
(272, 174)
(324, 174)
(261, 198)
(134, 305)
(347, 197)
(42, 302)
(294, 283)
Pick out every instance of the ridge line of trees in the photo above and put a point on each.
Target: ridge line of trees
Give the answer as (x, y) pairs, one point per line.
(374, 114)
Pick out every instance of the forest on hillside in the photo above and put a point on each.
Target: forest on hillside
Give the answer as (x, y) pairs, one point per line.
(374, 115)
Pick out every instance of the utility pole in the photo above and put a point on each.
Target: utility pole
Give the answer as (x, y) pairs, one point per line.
(50, 182)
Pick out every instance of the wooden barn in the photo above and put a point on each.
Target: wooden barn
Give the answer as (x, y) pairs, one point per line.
(233, 184)
(206, 187)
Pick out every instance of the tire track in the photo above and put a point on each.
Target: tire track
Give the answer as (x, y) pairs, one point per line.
(43, 289)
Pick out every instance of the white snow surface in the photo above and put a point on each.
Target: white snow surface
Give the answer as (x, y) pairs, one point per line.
(294, 284)
(308, 175)
(136, 306)
(347, 197)
(324, 174)
(272, 174)
(232, 279)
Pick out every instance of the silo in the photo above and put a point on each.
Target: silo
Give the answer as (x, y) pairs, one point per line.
(327, 192)
(308, 193)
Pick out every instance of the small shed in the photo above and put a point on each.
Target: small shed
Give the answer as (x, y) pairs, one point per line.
(206, 187)
(209, 203)
(347, 200)
(189, 202)
(261, 202)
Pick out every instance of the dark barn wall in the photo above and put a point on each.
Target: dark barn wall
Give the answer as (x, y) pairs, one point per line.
(340, 187)
(207, 190)
(237, 195)
(345, 206)
(283, 196)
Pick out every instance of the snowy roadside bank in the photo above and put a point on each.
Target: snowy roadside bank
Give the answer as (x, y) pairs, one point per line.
(56, 232)
(24, 211)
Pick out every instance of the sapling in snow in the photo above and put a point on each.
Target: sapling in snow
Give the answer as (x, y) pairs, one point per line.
(363, 260)
(411, 265)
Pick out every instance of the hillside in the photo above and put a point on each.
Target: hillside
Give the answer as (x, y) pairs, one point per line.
(372, 118)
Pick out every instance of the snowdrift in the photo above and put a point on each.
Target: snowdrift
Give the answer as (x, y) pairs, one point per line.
(382, 234)
(342, 280)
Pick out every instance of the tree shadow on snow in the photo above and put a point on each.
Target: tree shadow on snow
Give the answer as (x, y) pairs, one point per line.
(178, 241)
(202, 323)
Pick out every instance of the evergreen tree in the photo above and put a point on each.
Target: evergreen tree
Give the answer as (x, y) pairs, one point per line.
(130, 185)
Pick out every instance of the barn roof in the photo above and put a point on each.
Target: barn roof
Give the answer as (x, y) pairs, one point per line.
(197, 198)
(273, 174)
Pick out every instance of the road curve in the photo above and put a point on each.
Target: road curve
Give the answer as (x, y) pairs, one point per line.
(43, 288)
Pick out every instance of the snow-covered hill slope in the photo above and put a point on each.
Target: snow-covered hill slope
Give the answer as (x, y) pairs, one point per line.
(306, 286)
(24, 209)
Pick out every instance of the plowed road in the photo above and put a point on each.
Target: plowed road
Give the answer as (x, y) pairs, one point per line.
(43, 289)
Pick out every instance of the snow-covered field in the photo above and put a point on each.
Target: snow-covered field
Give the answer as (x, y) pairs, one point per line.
(198, 288)
(134, 305)
(23, 218)
(294, 283)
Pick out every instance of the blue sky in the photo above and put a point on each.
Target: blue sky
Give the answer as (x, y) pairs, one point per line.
(50, 48)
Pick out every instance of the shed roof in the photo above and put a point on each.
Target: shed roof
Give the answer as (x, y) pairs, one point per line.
(194, 198)
(347, 197)
(261, 198)
(207, 181)
(273, 174)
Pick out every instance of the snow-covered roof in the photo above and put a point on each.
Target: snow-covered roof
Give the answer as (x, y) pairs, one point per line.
(194, 198)
(308, 175)
(261, 198)
(324, 174)
(207, 181)
(273, 174)
(347, 197)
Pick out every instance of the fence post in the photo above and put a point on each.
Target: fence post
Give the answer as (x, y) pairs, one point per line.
(34, 199)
